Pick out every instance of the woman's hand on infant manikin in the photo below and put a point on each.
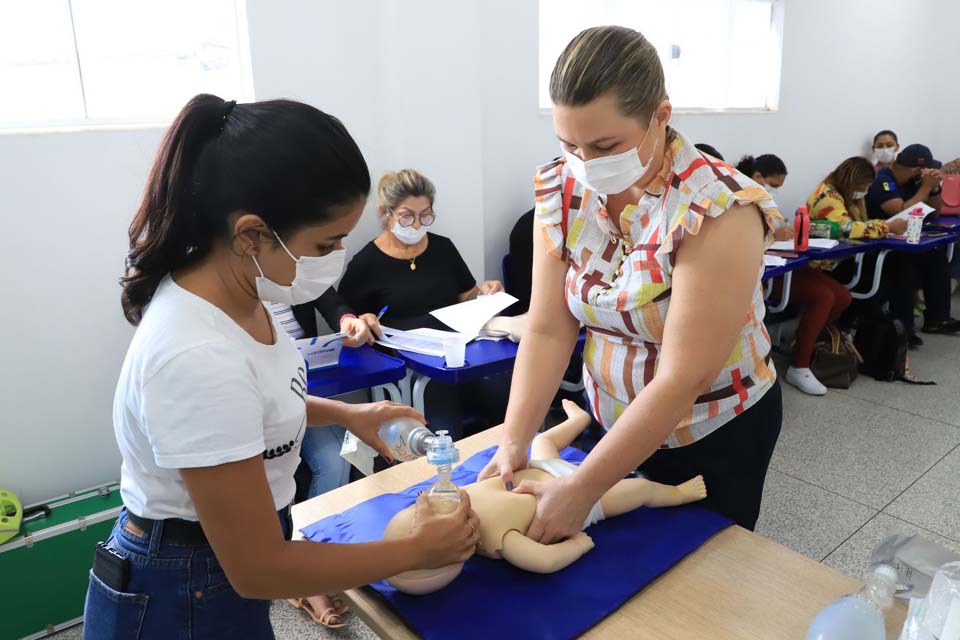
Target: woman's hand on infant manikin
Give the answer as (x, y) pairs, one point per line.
(562, 508)
(509, 457)
(444, 539)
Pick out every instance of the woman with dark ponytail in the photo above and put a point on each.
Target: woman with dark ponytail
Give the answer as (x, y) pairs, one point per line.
(767, 170)
(245, 204)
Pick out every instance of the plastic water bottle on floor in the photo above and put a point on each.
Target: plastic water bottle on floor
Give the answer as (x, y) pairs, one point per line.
(858, 616)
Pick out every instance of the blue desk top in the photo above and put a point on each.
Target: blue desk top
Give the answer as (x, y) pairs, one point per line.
(951, 221)
(483, 358)
(926, 243)
(845, 249)
(361, 368)
(792, 265)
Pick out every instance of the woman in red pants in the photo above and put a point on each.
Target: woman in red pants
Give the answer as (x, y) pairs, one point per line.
(839, 199)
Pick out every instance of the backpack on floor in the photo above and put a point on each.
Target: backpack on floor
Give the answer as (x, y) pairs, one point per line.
(882, 343)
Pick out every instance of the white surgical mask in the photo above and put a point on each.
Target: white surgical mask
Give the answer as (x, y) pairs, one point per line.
(770, 189)
(408, 235)
(858, 195)
(313, 277)
(884, 154)
(611, 174)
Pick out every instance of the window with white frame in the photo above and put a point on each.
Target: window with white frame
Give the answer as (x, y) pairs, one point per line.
(717, 54)
(103, 62)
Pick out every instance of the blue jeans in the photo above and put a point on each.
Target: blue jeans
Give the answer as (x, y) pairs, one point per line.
(320, 450)
(175, 592)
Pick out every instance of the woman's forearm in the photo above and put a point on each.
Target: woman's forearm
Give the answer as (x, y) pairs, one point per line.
(542, 359)
(302, 567)
(639, 432)
(322, 412)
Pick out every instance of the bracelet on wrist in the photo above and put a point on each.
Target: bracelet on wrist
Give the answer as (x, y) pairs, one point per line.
(347, 315)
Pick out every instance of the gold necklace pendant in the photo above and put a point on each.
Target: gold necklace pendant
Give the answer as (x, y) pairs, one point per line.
(413, 265)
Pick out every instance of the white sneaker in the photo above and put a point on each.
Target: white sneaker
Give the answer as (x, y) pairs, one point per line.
(804, 380)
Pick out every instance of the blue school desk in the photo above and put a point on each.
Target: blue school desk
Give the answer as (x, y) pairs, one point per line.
(483, 358)
(362, 368)
(785, 270)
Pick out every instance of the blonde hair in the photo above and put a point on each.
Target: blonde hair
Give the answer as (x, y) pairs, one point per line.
(396, 186)
(845, 177)
(603, 59)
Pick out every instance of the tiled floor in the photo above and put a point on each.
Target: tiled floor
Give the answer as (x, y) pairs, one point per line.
(850, 469)
(861, 464)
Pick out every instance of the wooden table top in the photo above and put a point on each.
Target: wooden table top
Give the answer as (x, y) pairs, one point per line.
(737, 585)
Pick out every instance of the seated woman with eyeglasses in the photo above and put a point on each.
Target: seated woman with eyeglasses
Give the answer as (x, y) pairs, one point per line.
(405, 267)
(413, 272)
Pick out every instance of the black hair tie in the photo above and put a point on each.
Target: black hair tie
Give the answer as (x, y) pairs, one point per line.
(227, 108)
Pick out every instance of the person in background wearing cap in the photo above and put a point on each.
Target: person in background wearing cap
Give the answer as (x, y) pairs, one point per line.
(913, 178)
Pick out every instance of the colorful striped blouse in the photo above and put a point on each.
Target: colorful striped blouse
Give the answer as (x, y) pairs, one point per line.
(619, 278)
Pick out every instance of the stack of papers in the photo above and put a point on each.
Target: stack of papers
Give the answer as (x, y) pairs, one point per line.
(466, 319)
(905, 214)
(814, 243)
(469, 317)
(773, 261)
(426, 341)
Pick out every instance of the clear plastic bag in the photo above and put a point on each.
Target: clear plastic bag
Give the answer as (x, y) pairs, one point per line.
(916, 560)
(937, 616)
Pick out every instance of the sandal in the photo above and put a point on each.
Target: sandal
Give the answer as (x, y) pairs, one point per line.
(326, 616)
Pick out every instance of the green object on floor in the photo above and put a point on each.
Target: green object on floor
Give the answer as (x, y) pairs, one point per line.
(45, 568)
(11, 513)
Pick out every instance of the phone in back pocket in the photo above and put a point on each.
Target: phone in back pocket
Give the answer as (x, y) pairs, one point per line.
(112, 568)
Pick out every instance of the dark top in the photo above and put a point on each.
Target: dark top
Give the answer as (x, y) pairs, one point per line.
(884, 188)
(519, 268)
(374, 280)
(331, 306)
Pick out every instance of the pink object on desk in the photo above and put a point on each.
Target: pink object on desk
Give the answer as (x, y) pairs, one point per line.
(950, 195)
(801, 225)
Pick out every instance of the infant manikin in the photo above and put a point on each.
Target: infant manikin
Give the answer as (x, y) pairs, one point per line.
(505, 516)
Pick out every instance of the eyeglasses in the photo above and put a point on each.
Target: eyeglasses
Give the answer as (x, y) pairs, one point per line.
(427, 218)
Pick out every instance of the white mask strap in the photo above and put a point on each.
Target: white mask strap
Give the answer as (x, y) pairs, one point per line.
(284, 246)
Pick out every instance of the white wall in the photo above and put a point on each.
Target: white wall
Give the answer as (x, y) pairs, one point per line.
(446, 87)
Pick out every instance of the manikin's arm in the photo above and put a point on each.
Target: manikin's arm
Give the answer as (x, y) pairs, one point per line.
(530, 555)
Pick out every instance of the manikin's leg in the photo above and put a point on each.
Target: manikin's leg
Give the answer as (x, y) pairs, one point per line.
(547, 445)
(632, 493)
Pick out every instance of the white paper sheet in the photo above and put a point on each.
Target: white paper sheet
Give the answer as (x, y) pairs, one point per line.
(425, 341)
(905, 214)
(321, 352)
(773, 261)
(783, 245)
(469, 317)
(823, 243)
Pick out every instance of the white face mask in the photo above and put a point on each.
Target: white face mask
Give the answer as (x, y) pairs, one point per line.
(612, 174)
(884, 154)
(313, 277)
(771, 190)
(858, 195)
(408, 235)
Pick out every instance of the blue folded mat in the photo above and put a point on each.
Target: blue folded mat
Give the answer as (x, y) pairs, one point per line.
(494, 599)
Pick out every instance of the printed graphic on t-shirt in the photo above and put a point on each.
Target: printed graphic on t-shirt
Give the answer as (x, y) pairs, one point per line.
(298, 385)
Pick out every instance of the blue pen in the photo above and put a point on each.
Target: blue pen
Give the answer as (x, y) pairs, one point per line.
(386, 308)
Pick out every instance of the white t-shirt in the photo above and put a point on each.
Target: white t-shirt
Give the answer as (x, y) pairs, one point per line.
(196, 390)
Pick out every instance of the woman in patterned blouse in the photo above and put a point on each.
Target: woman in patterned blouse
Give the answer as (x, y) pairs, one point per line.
(632, 222)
